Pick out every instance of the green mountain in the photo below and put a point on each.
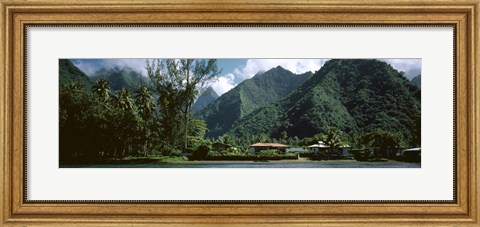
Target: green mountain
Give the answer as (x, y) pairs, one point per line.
(356, 96)
(204, 99)
(251, 94)
(119, 78)
(69, 73)
(417, 81)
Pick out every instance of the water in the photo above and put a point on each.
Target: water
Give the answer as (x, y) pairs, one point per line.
(319, 164)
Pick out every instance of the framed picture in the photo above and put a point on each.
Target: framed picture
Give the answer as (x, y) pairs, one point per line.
(205, 112)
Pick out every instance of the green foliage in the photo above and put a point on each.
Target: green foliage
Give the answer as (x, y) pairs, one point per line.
(170, 119)
(96, 125)
(197, 128)
(144, 101)
(102, 89)
(145, 108)
(196, 142)
(91, 130)
(235, 151)
(333, 138)
(181, 79)
(227, 139)
(248, 96)
(268, 153)
(122, 99)
(383, 140)
(201, 152)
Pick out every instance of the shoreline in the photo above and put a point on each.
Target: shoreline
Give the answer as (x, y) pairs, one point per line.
(234, 162)
(261, 162)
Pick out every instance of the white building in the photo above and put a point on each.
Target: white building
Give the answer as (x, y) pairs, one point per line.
(320, 146)
(342, 150)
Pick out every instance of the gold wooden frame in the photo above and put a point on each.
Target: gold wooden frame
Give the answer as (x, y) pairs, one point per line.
(16, 14)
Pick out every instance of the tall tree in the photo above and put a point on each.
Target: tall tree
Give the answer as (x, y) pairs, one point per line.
(144, 101)
(387, 142)
(333, 138)
(187, 77)
(102, 89)
(169, 122)
(123, 100)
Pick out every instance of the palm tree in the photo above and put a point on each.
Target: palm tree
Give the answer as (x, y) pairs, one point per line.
(124, 105)
(73, 87)
(333, 138)
(226, 139)
(145, 106)
(123, 99)
(102, 89)
(144, 101)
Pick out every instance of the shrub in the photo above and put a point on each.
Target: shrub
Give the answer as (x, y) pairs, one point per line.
(233, 150)
(201, 152)
(267, 153)
(176, 152)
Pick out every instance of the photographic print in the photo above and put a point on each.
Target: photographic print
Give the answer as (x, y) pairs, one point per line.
(240, 113)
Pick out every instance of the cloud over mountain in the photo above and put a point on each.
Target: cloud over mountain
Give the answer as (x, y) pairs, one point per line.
(253, 66)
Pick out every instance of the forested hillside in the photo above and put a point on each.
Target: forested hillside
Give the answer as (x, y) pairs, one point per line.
(355, 96)
(69, 73)
(248, 96)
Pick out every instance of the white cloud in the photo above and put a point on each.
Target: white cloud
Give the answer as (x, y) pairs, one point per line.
(297, 66)
(87, 67)
(224, 84)
(90, 66)
(137, 64)
(411, 67)
(253, 66)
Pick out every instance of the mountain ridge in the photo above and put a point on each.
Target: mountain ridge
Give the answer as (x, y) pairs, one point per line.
(119, 78)
(249, 95)
(356, 96)
(69, 73)
(417, 81)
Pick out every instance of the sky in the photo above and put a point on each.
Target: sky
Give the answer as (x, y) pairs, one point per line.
(234, 71)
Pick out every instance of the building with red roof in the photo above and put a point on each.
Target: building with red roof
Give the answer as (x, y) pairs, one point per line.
(257, 147)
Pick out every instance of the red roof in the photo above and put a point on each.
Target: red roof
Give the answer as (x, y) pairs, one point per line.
(269, 145)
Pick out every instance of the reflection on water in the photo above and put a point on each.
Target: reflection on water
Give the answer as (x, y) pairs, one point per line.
(338, 164)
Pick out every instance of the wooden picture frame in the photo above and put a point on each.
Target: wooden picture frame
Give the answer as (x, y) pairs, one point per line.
(16, 14)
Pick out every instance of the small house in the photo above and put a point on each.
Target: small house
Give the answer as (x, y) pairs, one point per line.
(344, 150)
(257, 147)
(319, 147)
(323, 149)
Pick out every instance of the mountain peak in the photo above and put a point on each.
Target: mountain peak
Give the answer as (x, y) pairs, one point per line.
(417, 81)
(210, 91)
(120, 77)
(248, 96)
(353, 95)
(279, 69)
(208, 96)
